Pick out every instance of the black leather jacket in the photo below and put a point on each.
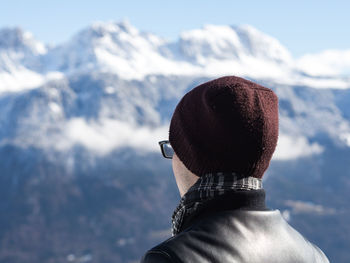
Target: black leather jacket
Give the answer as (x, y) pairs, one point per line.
(223, 235)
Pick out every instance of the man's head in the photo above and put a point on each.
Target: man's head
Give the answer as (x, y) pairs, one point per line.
(225, 125)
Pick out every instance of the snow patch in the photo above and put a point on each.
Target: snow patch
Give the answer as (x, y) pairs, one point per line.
(54, 75)
(110, 90)
(54, 107)
(19, 80)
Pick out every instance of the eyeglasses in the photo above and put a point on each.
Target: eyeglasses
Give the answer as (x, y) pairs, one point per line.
(166, 149)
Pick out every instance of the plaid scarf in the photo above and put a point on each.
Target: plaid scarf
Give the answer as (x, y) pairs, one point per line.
(206, 188)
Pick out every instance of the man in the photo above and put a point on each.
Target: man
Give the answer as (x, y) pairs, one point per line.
(222, 136)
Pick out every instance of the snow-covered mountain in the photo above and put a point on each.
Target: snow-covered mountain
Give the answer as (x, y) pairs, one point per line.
(20, 57)
(94, 108)
(111, 76)
(121, 49)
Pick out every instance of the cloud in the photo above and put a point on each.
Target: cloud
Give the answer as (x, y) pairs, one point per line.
(346, 138)
(328, 62)
(302, 207)
(104, 136)
(293, 147)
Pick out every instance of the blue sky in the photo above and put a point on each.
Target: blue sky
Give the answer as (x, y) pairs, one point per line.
(302, 26)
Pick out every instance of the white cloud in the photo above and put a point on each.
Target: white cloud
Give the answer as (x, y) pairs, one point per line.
(302, 207)
(293, 147)
(104, 136)
(346, 138)
(328, 62)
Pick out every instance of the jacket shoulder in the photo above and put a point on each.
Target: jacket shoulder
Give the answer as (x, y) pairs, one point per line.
(319, 255)
(155, 256)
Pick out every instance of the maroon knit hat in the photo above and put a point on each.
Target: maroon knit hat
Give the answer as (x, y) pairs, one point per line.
(229, 124)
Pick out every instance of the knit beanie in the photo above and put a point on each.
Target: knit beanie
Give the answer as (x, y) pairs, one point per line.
(228, 124)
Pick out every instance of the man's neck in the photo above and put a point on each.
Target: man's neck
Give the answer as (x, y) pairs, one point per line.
(218, 192)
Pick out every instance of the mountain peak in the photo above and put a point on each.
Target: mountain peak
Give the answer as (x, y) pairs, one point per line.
(18, 40)
(224, 42)
(262, 45)
(99, 29)
(122, 49)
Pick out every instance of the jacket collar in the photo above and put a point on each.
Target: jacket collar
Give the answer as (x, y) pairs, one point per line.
(214, 192)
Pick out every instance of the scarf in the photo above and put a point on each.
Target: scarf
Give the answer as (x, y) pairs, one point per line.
(208, 187)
